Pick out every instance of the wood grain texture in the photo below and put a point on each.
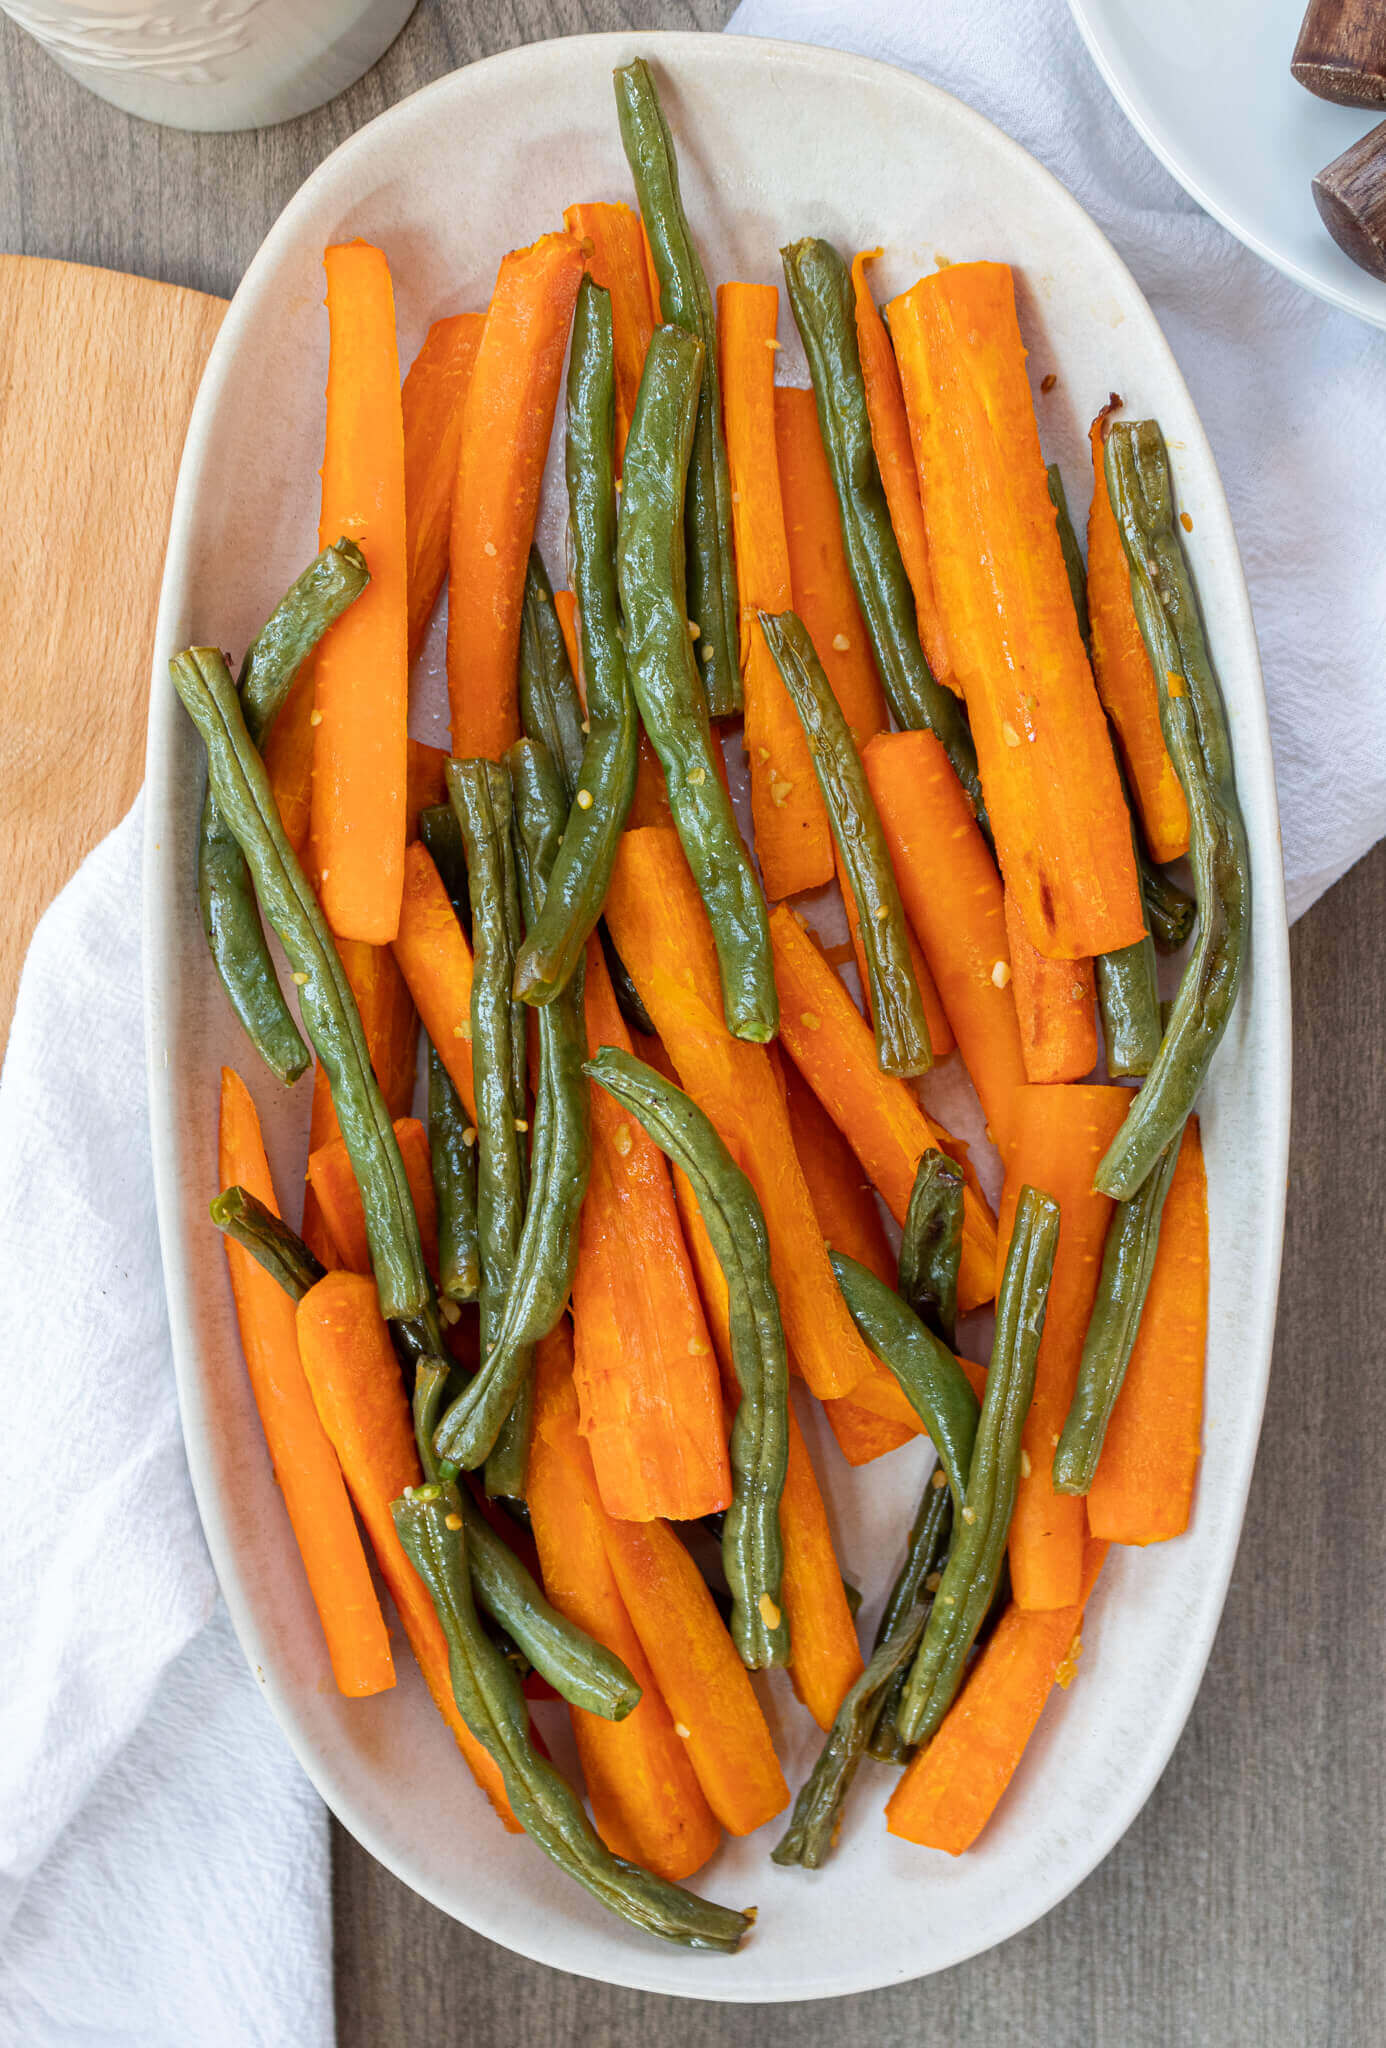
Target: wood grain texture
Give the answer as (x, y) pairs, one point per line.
(1246, 1904)
(99, 376)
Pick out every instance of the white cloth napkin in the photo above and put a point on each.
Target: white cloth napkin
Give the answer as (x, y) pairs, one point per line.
(163, 1864)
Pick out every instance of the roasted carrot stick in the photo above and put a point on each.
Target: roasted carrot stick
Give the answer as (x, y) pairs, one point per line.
(425, 782)
(289, 760)
(954, 1784)
(305, 1466)
(435, 960)
(613, 249)
(435, 392)
(500, 465)
(941, 1039)
(818, 572)
(661, 930)
(1054, 1006)
(794, 840)
(956, 905)
(331, 1178)
(705, 1685)
(1125, 682)
(646, 1800)
(830, 1042)
(1060, 1136)
(645, 1373)
(1144, 1486)
(352, 1369)
(361, 667)
(1048, 774)
(890, 438)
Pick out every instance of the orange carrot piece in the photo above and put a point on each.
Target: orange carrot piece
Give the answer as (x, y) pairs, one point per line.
(289, 760)
(1060, 1137)
(890, 438)
(1125, 681)
(500, 464)
(646, 1800)
(941, 1038)
(660, 927)
(1054, 1006)
(955, 902)
(705, 1685)
(565, 605)
(434, 395)
(332, 1180)
(354, 1374)
(433, 956)
(820, 579)
(794, 841)
(305, 1466)
(1045, 755)
(953, 1786)
(1143, 1489)
(646, 1378)
(361, 666)
(425, 782)
(613, 249)
(830, 1043)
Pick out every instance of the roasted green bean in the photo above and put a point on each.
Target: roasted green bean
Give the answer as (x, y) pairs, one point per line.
(454, 1185)
(931, 1244)
(820, 292)
(1128, 1002)
(752, 1551)
(244, 1218)
(550, 706)
(686, 302)
(911, 1598)
(897, 1009)
(930, 1378)
(244, 798)
(978, 1546)
(442, 835)
(649, 560)
(1195, 730)
(1169, 910)
(1072, 553)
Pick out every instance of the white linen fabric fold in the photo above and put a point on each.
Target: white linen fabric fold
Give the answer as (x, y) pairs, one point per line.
(163, 1862)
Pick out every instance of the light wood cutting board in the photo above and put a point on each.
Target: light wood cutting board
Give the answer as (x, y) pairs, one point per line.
(98, 372)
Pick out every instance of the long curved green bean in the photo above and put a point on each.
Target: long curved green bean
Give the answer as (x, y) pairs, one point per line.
(226, 900)
(542, 1273)
(1195, 730)
(752, 1550)
(820, 292)
(812, 1831)
(911, 1598)
(550, 706)
(244, 798)
(244, 1218)
(454, 1184)
(931, 1244)
(605, 781)
(1073, 555)
(442, 835)
(930, 1377)
(897, 1009)
(1128, 1260)
(649, 563)
(432, 1531)
(978, 1547)
(480, 795)
(1169, 910)
(686, 302)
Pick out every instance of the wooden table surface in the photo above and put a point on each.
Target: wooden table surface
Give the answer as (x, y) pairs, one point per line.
(1247, 1903)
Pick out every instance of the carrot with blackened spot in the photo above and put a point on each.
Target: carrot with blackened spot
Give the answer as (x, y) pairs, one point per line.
(502, 448)
(613, 249)
(1054, 1006)
(433, 399)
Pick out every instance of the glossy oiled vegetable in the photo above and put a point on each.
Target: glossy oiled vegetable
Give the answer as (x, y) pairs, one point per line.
(604, 781)
(686, 302)
(926, 1369)
(978, 1546)
(454, 1184)
(1195, 729)
(812, 1831)
(1128, 1000)
(662, 671)
(242, 793)
(820, 291)
(613, 249)
(339, 1199)
(752, 1551)
(907, 1610)
(541, 1274)
(1128, 1260)
(257, 1229)
(931, 1244)
(489, 1699)
(550, 707)
(224, 892)
(433, 401)
(435, 960)
(897, 1012)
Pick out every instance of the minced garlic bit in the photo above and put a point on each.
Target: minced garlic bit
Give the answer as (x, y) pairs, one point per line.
(584, 725)
(939, 1478)
(449, 1310)
(1068, 1670)
(774, 344)
(932, 1582)
(488, 547)
(315, 716)
(462, 1030)
(469, 1135)
(1024, 1464)
(584, 799)
(522, 1123)
(780, 788)
(300, 980)
(769, 1612)
(695, 631)
(1186, 521)
(623, 1140)
(682, 1732)
(1175, 683)
(1000, 974)
(452, 1521)
(697, 1349)
(969, 1514)
(948, 1599)
(810, 1020)
(882, 912)
(1009, 733)
(697, 776)
(841, 643)
(762, 753)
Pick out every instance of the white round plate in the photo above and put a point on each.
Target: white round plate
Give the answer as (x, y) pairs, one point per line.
(1207, 83)
(775, 141)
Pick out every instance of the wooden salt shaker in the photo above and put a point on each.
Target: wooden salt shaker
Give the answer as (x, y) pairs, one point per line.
(1350, 194)
(1341, 52)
